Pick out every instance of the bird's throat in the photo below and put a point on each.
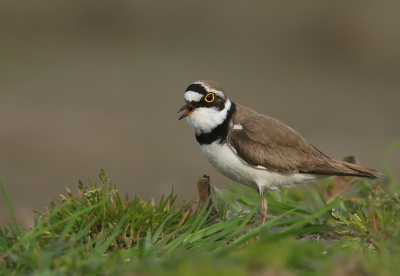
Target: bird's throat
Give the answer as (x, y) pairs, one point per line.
(219, 131)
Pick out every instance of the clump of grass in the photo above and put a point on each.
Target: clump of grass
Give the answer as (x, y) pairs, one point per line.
(97, 230)
(101, 208)
(97, 221)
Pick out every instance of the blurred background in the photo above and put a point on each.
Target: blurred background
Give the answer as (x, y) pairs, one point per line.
(86, 85)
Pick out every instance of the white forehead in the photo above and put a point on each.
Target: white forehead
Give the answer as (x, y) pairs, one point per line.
(191, 96)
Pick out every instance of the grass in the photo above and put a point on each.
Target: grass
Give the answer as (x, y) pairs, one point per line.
(339, 226)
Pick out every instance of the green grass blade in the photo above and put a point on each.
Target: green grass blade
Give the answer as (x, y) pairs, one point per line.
(11, 208)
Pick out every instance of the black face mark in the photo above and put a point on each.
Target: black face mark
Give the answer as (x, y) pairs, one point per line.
(217, 102)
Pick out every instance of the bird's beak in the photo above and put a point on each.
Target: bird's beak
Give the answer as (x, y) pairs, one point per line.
(188, 109)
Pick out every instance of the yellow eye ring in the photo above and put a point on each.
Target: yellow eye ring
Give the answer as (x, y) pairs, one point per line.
(209, 98)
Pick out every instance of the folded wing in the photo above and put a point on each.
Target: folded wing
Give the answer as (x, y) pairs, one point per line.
(264, 141)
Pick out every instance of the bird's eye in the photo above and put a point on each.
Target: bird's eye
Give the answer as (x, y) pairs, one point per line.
(209, 98)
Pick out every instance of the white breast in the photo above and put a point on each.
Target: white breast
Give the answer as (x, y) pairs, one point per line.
(228, 163)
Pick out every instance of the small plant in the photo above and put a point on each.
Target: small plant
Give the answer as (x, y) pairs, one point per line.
(374, 220)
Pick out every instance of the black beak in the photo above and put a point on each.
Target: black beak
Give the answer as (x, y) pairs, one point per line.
(188, 108)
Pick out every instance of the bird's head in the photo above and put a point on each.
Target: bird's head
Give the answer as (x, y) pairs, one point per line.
(206, 106)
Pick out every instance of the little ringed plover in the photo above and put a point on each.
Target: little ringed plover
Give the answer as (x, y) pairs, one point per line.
(253, 149)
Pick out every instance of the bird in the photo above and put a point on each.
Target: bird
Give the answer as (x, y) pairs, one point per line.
(253, 149)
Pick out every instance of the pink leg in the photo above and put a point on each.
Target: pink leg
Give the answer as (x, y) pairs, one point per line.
(264, 206)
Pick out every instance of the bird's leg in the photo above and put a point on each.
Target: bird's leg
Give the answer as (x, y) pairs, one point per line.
(264, 206)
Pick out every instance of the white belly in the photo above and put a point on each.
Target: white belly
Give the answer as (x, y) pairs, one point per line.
(228, 163)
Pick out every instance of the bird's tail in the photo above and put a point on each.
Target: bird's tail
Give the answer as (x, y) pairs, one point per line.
(335, 167)
(355, 170)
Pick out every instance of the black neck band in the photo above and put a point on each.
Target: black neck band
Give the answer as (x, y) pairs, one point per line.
(220, 132)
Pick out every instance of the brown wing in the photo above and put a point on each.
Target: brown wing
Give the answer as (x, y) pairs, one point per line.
(265, 141)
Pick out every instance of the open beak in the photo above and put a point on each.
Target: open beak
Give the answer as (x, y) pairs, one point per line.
(188, 109)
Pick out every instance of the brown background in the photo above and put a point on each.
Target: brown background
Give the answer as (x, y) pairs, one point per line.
(86, 85)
